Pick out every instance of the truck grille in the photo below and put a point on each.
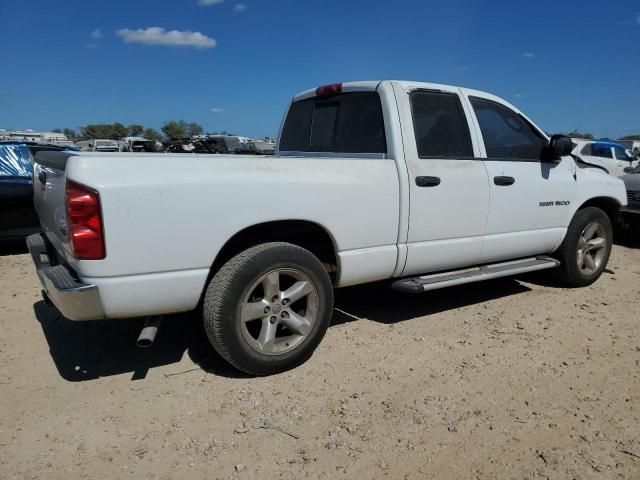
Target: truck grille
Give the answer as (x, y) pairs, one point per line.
(633, 198)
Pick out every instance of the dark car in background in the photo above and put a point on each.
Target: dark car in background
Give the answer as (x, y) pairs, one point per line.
(630, 215)
(18, 217)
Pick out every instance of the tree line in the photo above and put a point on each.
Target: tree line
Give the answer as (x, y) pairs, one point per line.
(171, 130)
(589, 136)
(174, 130)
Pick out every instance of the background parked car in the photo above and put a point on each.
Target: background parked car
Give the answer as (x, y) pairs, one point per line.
(98, 145)
(610, 155)
(140, 144)
(227, 143)
(260, 147)
(194, 145)
(17, 214)
(630, 215)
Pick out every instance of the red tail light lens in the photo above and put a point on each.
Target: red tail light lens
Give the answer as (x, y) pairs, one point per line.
(84, 221)
(325, 90)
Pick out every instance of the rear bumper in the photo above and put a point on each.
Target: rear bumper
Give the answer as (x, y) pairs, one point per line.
(74, 299)
(630, 211)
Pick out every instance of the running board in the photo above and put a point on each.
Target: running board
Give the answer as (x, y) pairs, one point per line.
(476, 274)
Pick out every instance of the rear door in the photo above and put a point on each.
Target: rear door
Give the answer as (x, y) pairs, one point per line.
(599, 154)
(530, 196)
(622, 160)
(448, 186)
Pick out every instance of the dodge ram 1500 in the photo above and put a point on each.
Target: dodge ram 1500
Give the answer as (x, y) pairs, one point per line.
(428, 185)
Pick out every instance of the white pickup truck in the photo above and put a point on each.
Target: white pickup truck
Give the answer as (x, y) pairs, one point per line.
(429, 185)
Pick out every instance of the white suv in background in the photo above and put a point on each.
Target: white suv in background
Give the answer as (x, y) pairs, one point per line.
(609, 155)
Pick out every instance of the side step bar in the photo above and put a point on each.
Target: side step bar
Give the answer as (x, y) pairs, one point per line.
(476, 274)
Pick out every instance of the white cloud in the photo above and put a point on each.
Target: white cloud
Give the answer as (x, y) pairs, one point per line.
(173, 38)
(92, 45)
(206, 3)
(96, 34)
(216, 110)
(463, 68)
(239, 7)
(519, 95)
(528, 55)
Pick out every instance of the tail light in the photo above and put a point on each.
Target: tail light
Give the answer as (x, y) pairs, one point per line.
(84, 222)
(326, 90)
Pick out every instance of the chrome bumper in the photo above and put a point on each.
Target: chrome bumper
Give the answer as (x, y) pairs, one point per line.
(74, 299)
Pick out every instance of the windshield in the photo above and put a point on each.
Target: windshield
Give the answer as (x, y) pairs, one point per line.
(15, 161)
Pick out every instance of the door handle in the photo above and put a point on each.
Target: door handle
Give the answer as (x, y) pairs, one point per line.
(427, 181)
(42, 176)
(504, 181)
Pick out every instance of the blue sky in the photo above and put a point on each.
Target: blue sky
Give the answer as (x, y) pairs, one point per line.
(234, 64)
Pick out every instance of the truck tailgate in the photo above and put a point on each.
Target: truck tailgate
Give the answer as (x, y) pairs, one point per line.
(49, 198)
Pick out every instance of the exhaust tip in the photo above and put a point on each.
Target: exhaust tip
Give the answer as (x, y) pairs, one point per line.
(144, 342)
(148, 332)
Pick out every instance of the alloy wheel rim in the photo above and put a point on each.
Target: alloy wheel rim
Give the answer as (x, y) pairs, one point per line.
(592, 248)
(278, 311)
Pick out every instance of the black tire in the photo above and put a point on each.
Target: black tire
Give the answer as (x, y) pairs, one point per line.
(570, 273)
(225, 297)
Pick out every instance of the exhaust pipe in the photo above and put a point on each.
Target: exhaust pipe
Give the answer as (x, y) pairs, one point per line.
(148, 332)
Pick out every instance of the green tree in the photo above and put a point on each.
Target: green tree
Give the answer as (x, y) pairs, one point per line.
(104, 130)
(70, 133)
(56, 130)
(174, 130)
(630, 137)
(118, 131)
(583, 135)
(151, 134)
(99, 130)
(135, 130)
(195, 129)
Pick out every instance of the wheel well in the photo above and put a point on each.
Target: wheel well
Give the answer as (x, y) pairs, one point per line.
(609, 205)
(305, 234)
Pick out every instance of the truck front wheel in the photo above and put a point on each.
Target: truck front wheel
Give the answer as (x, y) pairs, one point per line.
(585, 251)
(267, 309)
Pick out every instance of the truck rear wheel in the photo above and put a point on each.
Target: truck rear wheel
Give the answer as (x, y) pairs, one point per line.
(585, 251)
(267, 309)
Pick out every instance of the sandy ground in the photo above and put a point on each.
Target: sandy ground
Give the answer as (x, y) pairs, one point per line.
(505, 379)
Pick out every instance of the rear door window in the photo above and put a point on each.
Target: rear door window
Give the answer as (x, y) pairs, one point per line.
(506, 134)
(440, 125)
(345, 123)
(621, 154)
(602, 151)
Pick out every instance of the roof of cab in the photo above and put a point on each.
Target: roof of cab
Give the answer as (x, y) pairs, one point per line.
(364, 86)
(347, 87)
(372, 85)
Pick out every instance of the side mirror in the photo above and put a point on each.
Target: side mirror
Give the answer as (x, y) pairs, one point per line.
(628, 169)
(560, 146)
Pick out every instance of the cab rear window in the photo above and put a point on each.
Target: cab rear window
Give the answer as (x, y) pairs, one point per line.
(345, 123)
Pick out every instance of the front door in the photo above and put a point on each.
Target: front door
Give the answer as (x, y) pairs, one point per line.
(530, 196)
(448, 186)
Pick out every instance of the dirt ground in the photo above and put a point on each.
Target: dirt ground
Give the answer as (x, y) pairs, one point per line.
(509, 379)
